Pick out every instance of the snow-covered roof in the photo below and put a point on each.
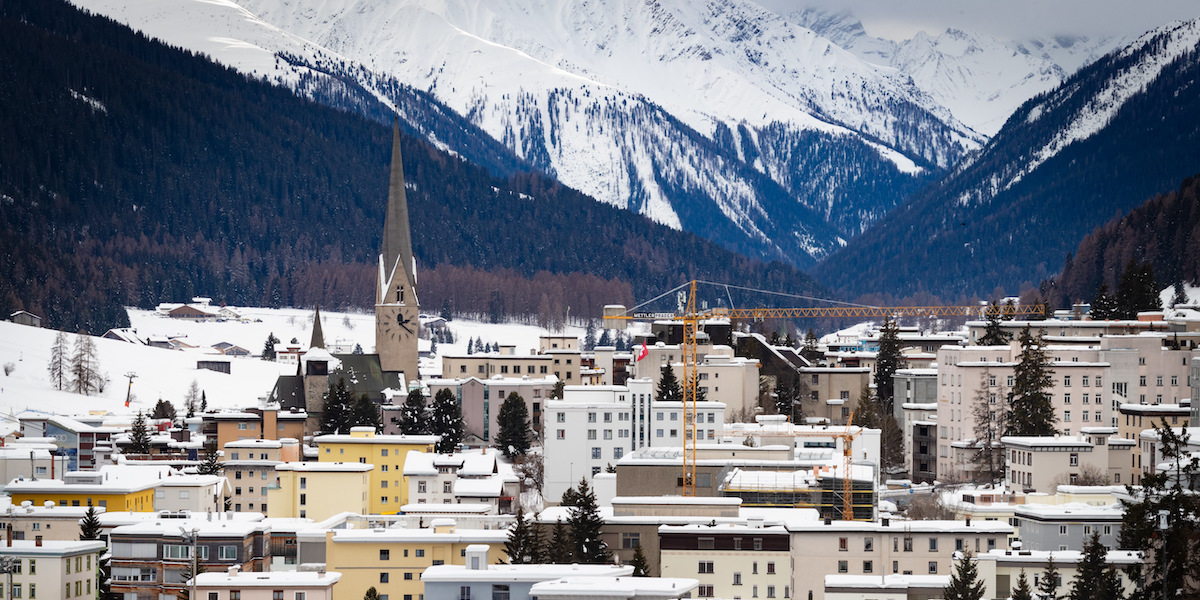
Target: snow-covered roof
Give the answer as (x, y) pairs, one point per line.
(417, 464)
(521, 573)
(325, 467)
(382, 536)
(489, 487)
(628, 587)
(273, 579)
(885, 582)
(1046, 441)
(1073, 511)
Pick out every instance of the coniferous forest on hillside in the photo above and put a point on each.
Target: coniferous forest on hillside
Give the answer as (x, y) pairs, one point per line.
(1164, 232)
(133, 173)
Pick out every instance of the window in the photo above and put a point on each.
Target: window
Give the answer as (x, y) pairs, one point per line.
(383, 577)
(420, 553)
(631, 540)
(385, 555)
(1066, 398)
(464, 592)
(595, 452)
(933, 567)
(608, 434)
(618, 453)
(868, 567)
(33, 563)
(562, 417)
(562, 434)
(843, 544)
(705, 567)
(1066, 380)
(591, 417)
(706, 543)
(843, 566)
(1066, 416)
(446, 489)
(758, 543)
(737, 578)
(408, 576)
(908, 544)
(276, 594)
(303, 499)
(933, 544)
(500, 592)
(420, 487)
(227, 553)
(771, 568)
(591, 434)
(1074, 459)
(705, 591)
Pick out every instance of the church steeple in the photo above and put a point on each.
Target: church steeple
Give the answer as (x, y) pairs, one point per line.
(318, 336)
(397, 256)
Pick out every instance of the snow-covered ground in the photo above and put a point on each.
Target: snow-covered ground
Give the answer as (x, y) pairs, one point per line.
(168, 374)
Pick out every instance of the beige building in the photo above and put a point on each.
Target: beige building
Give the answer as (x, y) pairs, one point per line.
(480, 399)
(267, 423)
(730, 560)
(834, 392)
(54, 522)
(1133, 419)
(249, 465)
(999, 569)
(388, 490)
(319, 490)
(53, 568)
(723, 377)
(884, 547)
(234, 584)
(1041, 464)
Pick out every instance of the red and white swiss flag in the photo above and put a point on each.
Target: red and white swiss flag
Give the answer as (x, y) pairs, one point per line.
(643, 352)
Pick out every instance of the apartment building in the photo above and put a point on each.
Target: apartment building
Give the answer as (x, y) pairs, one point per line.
(1059, 527)
(883, 547)
(319, 490)
(234, 584)
(471, 478)
(834, 392)
(1000, 569)
(112, 487)
(249, 466)
(52, 568)
(266, 422)
(386, 452)
(30, 461)
(480, 399)
(1133, 419)
(722, 377)
(27, 521)
(730, 560)
(77, 439)
(480, 580)
(1042, 463)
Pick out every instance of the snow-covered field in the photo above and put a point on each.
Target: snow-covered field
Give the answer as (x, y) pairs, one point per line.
(167, 374)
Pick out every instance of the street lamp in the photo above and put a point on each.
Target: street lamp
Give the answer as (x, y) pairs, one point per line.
(192, 537)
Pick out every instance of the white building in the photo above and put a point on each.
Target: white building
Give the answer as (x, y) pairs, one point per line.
(595, 426)
(473, 478)
(297, 585)
(52, 568)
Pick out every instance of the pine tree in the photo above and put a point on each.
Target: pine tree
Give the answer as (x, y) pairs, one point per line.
(1048, 586)
(537, 542)
(964, 581)
(163, 410)
(1030, 412)
(337, 412)
(562, 549)
(605, 339)
(1089, 572)
(866, 412)
(1010, 310)
(556, 392)
(586, 525)
(989, 418)
(268, 352)
(641, 566)
(203, 402)
(89, 526)
(364, 413)
(1137, 290)
(210, 464)
(669, 389)
(519, 546)
(85, 367)
(470, 346)
(785, 401)
(412, 419)
(993, 334)
(446, 421)
(887, 362)
(589, 337)
(1022, 591)
(479, 344)
(433, 345)
(59, 366)
(811, 352)
(139, 436)
(1178, 292)
(513, 438)
(371, 594)
(1104, 305)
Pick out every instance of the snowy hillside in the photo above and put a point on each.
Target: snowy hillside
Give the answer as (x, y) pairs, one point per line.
(981, 79)
(167, 374)
(722, 119)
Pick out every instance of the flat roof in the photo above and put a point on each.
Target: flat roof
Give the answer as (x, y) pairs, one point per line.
(274, 579)
(325, 467)
(522, 573)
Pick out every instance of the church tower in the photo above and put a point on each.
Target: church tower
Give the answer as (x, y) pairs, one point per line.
(396, 302)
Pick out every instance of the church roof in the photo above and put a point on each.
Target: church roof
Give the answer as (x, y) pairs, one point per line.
(318, 336)
(363, 374)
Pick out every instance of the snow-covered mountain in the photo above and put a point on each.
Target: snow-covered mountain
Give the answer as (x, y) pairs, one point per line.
(981, 79)
(722, 118)
(1120, 130)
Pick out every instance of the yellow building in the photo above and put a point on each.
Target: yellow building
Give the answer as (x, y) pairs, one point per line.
(392, 560)
(388, 488)
(112, 487)
(319, 490)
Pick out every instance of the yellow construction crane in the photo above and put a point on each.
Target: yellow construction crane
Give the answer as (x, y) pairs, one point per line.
(616, 316)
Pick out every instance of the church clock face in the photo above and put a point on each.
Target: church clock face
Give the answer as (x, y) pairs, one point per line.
(400, 326)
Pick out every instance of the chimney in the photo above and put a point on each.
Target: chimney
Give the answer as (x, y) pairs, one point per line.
(9, 531)
(968, 520)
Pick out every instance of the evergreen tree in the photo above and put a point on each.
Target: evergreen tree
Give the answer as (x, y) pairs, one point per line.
(479, 344)
(357, 349)
(562, 547)
(446, 313)
(1104, 305)
(203, 402)
(139, 436)
(701, 393)
(1178, 292)
(520, 544)
(605, 339)
(446, 421)
(1137, 290)
(811, 352)
(1030, 412)
(59, 366)
(989, 418)
(163, 410)
(470, 346)
(669, 389)
(589, 337)
(210, 464)
(1048, 586)
(412, 419)
(537, 542)
(268, 352)
(993, 334)
(866, 412)
(641, 566)
(964, 581)
(586, 525)
(337, 412)
(85, 367)
(785, 398)
(371, 594)
(1160, 520)
(364, 413)
(513, 438)
(1010, 310)
(433, 345)
(1022, 591)
(887, 362)
(556, 392)
(1090, 579)
(89, 526)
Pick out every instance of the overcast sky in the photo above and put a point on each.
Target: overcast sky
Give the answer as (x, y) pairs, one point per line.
(1010, 19)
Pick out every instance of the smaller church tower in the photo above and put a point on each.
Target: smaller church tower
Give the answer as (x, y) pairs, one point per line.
(396, 304)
